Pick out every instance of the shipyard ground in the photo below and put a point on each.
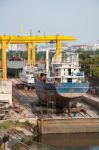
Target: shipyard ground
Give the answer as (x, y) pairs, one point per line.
(50, 119)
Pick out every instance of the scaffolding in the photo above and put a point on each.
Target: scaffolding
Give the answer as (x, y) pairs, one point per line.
(51, 107)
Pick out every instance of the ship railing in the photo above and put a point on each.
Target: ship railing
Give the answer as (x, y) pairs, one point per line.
(66, 63)
(52, 78)
(57, 74)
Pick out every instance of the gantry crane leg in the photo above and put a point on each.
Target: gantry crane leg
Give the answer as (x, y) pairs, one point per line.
(4, 60)
(28, 54)
(33, 54)
(58, 50)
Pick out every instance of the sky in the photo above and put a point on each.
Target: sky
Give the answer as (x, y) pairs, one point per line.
(79, 18)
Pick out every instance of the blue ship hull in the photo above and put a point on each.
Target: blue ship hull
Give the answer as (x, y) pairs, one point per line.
(65, 95)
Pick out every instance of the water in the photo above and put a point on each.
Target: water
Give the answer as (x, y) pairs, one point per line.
(81, 141)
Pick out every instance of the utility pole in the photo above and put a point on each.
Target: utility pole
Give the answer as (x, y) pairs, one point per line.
(90, 70)
(5, 139)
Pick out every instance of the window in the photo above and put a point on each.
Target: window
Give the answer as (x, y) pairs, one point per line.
(69, 80)
(69, 71)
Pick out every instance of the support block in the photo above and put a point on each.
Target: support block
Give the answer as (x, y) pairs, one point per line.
(6, 92)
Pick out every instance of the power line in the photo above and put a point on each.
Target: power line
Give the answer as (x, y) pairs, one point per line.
(17, 140)
(26, 144)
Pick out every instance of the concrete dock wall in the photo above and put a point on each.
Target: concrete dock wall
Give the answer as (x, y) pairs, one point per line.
(47, 126)
(6, 92)
(30, 120)
(94, 102)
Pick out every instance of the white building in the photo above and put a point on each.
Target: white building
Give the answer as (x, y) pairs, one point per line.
(86, 47)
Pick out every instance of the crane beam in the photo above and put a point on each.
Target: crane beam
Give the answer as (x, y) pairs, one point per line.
(6, 40)
(26, 39)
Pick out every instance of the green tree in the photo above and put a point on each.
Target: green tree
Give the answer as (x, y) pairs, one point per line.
(95, 71)
(89, 63)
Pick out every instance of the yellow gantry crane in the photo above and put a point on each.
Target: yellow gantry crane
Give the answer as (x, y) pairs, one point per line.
(30, 40)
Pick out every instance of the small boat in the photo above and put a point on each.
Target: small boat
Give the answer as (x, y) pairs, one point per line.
(27, 75)
(62, 82)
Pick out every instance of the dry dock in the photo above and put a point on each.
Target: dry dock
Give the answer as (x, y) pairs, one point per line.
(48, 120)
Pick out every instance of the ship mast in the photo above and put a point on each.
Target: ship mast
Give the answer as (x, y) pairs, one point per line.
(47, 62)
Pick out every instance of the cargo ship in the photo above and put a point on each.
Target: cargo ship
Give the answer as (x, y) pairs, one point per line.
(15, 65)
(62, 81)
